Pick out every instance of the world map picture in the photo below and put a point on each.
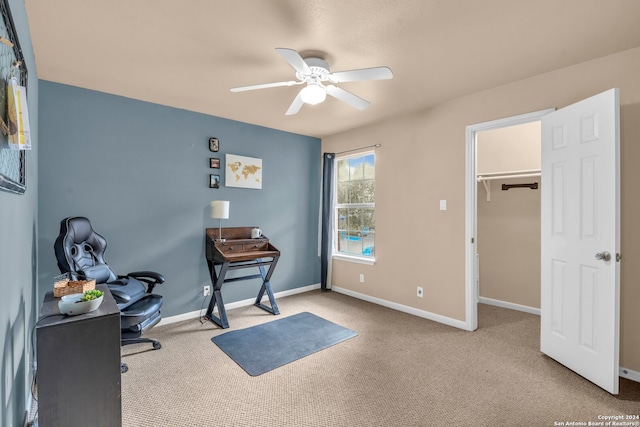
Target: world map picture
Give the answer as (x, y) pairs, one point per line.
(245, 172)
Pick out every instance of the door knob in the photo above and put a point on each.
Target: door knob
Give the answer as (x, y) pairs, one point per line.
(604, 256)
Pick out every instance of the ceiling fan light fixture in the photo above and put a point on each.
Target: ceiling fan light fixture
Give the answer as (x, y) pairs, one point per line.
(313, 94)
(315, 71)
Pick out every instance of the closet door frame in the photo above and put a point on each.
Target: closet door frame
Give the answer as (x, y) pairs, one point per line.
(471, 211)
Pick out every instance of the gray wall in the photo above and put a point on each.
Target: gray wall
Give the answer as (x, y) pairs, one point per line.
(140, 173)
(18, 225)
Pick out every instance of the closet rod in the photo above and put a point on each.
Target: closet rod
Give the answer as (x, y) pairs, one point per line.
(533, 186)
(486, 178)
(513, 172)
(491, 178)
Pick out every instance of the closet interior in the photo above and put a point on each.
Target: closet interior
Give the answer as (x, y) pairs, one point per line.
(508, 216)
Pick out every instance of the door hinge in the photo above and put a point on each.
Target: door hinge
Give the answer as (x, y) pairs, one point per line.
(618, 257)
(473, 240)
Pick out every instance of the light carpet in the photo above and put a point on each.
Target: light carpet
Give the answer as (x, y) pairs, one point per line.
(401, 370)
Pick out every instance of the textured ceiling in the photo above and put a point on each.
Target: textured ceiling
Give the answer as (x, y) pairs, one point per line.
(188, 54)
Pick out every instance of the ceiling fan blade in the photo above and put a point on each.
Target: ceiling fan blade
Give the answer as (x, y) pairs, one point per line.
(265, 85)
(347, 97)
(295, 106)
(294, 58)
(376, 73)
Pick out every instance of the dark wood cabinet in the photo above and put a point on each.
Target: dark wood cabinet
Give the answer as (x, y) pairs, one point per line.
(78, 375)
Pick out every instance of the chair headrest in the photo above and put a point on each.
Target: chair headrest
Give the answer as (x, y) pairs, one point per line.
(78, 229)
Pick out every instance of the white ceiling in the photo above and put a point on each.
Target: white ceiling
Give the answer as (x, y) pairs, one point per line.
(188, 54)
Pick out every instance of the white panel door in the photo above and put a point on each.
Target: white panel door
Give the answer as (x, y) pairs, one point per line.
(580, 289)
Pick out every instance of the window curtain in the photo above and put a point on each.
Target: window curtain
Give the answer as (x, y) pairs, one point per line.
(327, 221)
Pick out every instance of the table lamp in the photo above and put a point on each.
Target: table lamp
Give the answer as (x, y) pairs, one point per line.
(220, 210)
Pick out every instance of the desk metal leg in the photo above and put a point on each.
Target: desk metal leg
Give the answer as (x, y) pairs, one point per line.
(222, 319)
(266, 287)
(218, 279)
(216, 298)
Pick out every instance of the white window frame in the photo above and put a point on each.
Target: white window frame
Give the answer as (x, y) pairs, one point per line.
(369, 260)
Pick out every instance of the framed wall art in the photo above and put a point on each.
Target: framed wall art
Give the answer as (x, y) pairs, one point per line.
(214, 163)
(214, 144)
(12, 66)
(244, 172)
(214, 181)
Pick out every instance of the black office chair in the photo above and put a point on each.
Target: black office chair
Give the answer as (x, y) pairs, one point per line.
(80, 252)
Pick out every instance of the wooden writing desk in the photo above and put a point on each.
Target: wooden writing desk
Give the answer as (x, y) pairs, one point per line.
(238, 251)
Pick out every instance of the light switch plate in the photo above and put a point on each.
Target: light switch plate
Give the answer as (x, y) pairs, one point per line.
(443, 205)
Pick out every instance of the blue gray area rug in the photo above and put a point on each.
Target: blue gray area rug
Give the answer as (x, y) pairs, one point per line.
(264, 347)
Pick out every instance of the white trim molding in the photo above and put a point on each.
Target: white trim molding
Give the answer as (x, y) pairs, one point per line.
(404, 308)
(630, 374)
(471, 184)
(510, 305)
(352, 258)
(244, 303)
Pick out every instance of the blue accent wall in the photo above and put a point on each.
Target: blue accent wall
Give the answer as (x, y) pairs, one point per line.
(140, 173)
(18, 263)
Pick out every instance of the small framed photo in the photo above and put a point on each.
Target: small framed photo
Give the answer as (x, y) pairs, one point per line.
(214, 163)
(214, 181)
(214, 144)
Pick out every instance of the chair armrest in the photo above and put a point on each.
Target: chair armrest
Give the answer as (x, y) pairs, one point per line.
(151, 278)
(120, 296)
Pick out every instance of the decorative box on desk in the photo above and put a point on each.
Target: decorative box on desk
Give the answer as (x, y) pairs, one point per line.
(238, 250)
(78, 372)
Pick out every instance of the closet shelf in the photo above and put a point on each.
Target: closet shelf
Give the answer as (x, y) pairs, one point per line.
(486, 178)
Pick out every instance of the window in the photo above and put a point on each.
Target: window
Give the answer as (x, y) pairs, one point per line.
(355, 206)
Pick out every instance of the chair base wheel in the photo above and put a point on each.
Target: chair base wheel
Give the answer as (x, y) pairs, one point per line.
(123, 368)
(139, 340)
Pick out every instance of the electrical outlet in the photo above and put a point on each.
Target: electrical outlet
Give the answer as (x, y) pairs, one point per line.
(419, 292)
(362, 278)
(206, 290)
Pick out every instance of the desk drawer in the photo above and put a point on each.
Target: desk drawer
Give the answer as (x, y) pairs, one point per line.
(230, 248)
(256, 246)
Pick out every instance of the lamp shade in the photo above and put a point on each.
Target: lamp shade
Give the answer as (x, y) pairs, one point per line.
(220, 209)
(313, 94)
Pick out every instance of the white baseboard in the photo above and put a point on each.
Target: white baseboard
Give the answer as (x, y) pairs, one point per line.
(509, 305)
(630, 374)
(196, 314)
(404, 308)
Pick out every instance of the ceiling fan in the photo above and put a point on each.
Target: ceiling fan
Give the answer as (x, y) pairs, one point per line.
(314, 72)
